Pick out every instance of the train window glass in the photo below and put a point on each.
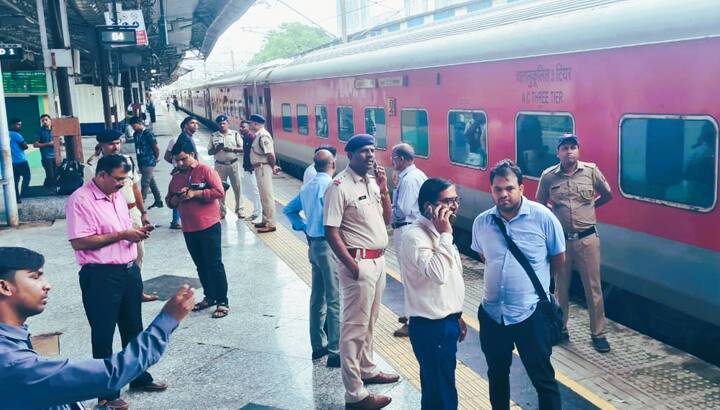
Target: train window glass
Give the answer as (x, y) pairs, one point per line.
(376, 126)
(442, 15)
(416, 22)
(477, 6)
(346, 128)
(414, 130)
(321, 121)
(467, 131)
(302, 119)
(536, 139)
(669, 159)
(287, 117)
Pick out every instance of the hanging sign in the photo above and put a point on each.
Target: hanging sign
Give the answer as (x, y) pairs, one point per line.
(131, 19)
(11, 52)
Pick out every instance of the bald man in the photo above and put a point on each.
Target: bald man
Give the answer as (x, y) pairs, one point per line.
(405, 204)
(324, 296)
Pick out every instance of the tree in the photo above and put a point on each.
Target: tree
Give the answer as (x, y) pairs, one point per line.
(288, 40)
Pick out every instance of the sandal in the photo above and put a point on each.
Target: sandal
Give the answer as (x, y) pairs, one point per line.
(221, 311)
(203, 305)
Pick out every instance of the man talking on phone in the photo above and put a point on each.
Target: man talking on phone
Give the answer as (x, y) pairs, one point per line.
(434, 292)
(102, 234)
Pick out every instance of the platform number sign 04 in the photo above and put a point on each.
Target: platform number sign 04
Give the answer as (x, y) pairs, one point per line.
(117, 36)
(11, 51)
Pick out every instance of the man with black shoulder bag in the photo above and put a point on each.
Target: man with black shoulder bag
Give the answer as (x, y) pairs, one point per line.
(522, 243)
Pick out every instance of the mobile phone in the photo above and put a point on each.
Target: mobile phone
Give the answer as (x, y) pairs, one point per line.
(149, 228)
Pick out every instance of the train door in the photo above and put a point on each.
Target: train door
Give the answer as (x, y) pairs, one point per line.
(247, 103)
(208, 109)
(268, 110)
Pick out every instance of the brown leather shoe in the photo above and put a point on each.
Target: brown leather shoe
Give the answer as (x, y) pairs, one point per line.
(260, 225)
(147, 297)
(382, 378)
(266, 229)
(117, 404)
(403, 331)
(151, 387)
(373, 401)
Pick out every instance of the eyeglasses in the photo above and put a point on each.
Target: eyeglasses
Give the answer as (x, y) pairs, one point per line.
(450, 201)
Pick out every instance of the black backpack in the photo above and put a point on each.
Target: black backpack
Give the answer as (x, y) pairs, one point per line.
(69, 177)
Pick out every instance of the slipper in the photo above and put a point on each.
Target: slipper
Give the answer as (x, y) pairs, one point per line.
(203, 305)
(221, 311)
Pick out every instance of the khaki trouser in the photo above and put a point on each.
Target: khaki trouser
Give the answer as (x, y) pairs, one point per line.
(263, 175)
(397, 240)
(137, 223)
(360, 307)
(232, 172)
(584, 256)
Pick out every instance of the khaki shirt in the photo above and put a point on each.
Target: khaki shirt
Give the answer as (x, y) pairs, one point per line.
(132, 179)
(573, 196)
(353, 203)
(261, 146)
(230, 140)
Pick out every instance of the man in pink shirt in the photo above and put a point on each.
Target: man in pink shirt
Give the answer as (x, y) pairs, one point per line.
(101, 232)
(195, 192)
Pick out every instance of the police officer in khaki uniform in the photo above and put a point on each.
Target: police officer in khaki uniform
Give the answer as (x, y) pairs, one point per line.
(262, 156)
(356, 211)
(574, 189)
(227, 147)
(110, 143)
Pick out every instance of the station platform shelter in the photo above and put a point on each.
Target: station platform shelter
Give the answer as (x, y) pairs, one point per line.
(259, 356)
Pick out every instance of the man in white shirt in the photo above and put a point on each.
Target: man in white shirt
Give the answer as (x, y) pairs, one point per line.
(310, 171)
(434, 292)
(405, 204)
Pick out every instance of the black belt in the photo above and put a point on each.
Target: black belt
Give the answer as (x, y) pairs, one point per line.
(424, 319)
(579, 235)
(226, 162)
(399, 224)
(126, 266)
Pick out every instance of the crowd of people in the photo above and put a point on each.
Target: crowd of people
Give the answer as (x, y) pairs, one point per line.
(525, 245)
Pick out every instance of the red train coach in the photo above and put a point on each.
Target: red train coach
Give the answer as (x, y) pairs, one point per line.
(634, 79)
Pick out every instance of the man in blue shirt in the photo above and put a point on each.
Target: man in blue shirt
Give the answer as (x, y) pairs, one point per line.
(21, 169)
(44, 141)
(28, 381)
(148, 153)
(508, 315)
(324, 296)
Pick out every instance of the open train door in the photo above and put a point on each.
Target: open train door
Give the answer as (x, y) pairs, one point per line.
(246, 107)
(268, 110)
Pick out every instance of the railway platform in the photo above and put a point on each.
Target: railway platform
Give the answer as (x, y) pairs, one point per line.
(260, 354)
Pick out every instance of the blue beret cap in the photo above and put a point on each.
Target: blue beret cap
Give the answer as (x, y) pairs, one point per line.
(221, 118)
(358, 141)
(108, 136)
(568, 139)
(257, 118)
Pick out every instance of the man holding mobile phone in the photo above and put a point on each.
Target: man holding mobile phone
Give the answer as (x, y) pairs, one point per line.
(102, 234)
(434, 292)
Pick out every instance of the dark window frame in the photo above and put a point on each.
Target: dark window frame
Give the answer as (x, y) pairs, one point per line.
(337, 122)
(283, 116)
(487, 139)
(386, 123)
(427, 114)
(327, 119)
(307, 119)
(544, 113)
(671, 204)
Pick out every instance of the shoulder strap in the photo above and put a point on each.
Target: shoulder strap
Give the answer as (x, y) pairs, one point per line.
(517, 253)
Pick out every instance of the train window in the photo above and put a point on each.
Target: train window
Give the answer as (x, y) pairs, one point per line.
(467, 140)
(376, 126)
(302, 119)
(346, 128)
(321, 121)
(414, 130)
(287, 117)
(669, 159)
(536, 139)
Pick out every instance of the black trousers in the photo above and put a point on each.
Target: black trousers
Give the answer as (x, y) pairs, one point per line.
(532, 342)
(111, 296)
(21, 170)
(435, 343)
(206, 252)
(49, 166)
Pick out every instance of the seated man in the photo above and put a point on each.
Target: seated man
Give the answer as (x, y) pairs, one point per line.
(28, 381)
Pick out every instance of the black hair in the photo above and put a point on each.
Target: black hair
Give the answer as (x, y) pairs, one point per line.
(135, 120)
(14, 120)
(45, 115)
(13, 259)
(183, 145)
(244, 122)
(187, 120)
(108, 163)
(505, 168)
(327, 147)
(430, 191)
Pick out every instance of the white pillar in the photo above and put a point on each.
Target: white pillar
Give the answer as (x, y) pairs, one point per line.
(11, 208)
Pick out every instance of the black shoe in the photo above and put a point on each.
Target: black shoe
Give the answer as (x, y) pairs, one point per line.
(601, 344)
(565, 337)
(157, 204)
(333, 361)
(319, 353)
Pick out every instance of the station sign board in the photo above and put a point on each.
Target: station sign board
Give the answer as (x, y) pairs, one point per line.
(11, 52)
(131, 19)
(116, 35)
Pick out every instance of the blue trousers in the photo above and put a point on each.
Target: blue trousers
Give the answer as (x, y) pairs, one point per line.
(175, 216)
(435, 345)
(324, 298)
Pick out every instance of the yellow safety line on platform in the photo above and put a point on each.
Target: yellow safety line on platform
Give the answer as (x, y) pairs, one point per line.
(462, 370)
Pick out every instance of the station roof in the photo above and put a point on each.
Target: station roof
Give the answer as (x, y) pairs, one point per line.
(192, 25)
